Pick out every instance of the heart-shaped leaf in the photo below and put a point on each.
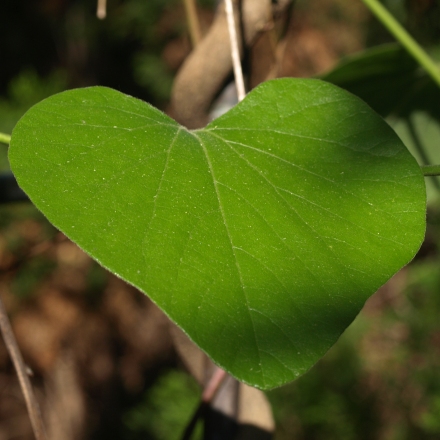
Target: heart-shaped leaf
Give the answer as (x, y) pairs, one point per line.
(261, 235)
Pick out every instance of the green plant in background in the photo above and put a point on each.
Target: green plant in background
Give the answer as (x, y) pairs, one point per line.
(166, 409)
(147, 68)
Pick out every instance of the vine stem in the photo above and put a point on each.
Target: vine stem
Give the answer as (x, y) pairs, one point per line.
(216, 380)
(209, 392)
(235, 51)
(193, 22)
(5, 138)
(20, 368)
(430, 170)
(402, 35)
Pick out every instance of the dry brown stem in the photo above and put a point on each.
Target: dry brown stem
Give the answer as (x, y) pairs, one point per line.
(205, 70)
(20, 368)
(235, 47)
(101, 10)
(193, 22)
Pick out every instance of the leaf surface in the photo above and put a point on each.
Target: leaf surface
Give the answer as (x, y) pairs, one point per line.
(394, 85)
(261, 235)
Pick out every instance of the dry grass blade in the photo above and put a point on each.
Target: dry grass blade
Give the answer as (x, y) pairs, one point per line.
(235, 50)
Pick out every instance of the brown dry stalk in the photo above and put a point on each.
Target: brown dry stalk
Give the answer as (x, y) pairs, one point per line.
(235, 50)
(21, 369)
(205, 70)
(101, 10)
(193, 22)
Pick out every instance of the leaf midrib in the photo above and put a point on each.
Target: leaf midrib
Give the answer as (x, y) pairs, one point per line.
(248, 308)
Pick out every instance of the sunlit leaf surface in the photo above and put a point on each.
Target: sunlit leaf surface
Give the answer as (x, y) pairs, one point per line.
(261, 235)
(394, 85)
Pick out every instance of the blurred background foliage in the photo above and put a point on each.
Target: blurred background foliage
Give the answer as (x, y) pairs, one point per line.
(380, 381)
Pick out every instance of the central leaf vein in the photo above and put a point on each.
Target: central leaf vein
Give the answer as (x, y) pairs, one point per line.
(243, 288)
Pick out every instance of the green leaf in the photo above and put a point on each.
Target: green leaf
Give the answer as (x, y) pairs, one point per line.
(393, 84)
(261, 235)
(382, 76)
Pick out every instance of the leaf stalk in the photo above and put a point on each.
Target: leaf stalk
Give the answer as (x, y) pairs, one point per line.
(430, 170)
(5, 138)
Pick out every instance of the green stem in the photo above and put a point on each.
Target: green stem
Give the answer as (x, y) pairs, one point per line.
(5, 138)
(430, 170)
(404, 38)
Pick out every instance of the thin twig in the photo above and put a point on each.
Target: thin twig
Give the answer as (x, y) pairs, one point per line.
(235, 51)
(217, 378)
(209, 392)
(193, 22)
(20, 368)
(198, 414)
(101, 10)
